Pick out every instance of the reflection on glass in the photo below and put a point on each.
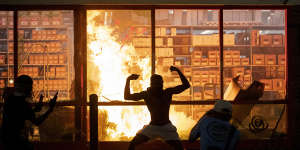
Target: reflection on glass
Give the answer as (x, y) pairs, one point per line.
(257, 51)
(46, 51)
(260, 121)
(6, 50)
(189, 39)
(119, 44)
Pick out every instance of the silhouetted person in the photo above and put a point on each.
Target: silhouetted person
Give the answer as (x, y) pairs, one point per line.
(17, 110)
(214, 129)
(158, 102)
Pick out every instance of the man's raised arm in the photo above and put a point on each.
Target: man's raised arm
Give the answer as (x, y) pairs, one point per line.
(135, 96)
(185, 83)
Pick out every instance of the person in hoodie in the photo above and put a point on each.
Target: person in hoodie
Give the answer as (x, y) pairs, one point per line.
(158, 102)
(214, 129)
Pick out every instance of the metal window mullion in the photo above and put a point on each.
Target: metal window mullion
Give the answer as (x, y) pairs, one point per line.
(152, 40)
(15, 31)
(221, 30)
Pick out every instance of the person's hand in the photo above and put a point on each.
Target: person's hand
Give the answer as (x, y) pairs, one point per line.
(172, 68)
(52, 102)
(39, 105)
(133, 77)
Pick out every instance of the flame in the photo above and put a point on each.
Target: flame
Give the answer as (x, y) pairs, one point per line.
(110, 62)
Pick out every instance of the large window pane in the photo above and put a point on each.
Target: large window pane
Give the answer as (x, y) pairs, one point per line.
(46, 52)
(6, 50)
(119, 44)
(257, 51)
(189, 40)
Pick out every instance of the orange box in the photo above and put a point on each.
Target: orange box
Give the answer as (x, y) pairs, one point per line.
(281, 59)
(2, 59)
(277, 40)
(197, 54)
(235, 54)
(238, 71)
(270, 59)
(187, 71)
(212, 61)
(196, 62)
(254, 38)
(204, 81)
(227, 54)
(204, 74)
(244, 61)
(258, 59)
(228, 62)
(196, 81)
(236, 61)
(10, 59)
(268, 84)
(266, 40)
(212, 54)
(204, 61)
(196, 73)
(198, 96)
(278, 84)
(213, 73)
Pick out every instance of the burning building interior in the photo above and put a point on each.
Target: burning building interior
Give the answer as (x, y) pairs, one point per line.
(92, 50)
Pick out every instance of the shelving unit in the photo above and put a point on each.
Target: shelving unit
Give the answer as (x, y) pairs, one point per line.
(45, 40)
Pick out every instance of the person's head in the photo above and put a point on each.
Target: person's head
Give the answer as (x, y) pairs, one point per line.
(23, 84)
(223, 107)
(156, 81)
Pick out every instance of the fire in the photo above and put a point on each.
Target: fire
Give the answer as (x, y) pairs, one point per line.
(110, 62)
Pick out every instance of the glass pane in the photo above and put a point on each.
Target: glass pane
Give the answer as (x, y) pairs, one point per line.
(59, 126)
(260, 121)
(6, 50)
(119, 44)
(256, 50)
(46, 51)
(121, 123)
(189, 40)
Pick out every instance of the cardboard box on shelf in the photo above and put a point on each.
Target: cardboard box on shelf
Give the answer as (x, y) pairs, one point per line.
(258, 59)
(197, 54)
(173, 31)
(281, 59)
(157, 31)
(266, 40)
(204, 74)
(281, 74)
(212, 54)
(170, 41)
(227, 54)
(163, 31)
(268, 84)
(254, 37)
(196, 61)
(187, 71)
(235, 54)
(2, 59)
(270, 59)
(278, 40)
(4, 74)
(244, 61)
(278, 84)
(10, 59)
(196, 73)
(159, 42)
(227, 61)
(204, 61)
(238, 71)
(204, 81)
(236, 61)
(196, 81)
(228, 39)
(198, 96)
(212, 61)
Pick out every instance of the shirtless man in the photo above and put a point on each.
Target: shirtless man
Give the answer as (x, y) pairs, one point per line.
(158, 102)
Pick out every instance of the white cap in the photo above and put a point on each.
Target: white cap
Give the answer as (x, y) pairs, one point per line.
(220, 105)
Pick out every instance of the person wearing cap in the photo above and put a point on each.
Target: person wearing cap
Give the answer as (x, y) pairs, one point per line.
(214, 129)
(17, 110)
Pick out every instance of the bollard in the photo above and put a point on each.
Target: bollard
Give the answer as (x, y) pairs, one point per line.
(93, 122)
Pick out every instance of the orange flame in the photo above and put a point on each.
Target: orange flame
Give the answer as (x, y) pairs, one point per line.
(109, 62)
